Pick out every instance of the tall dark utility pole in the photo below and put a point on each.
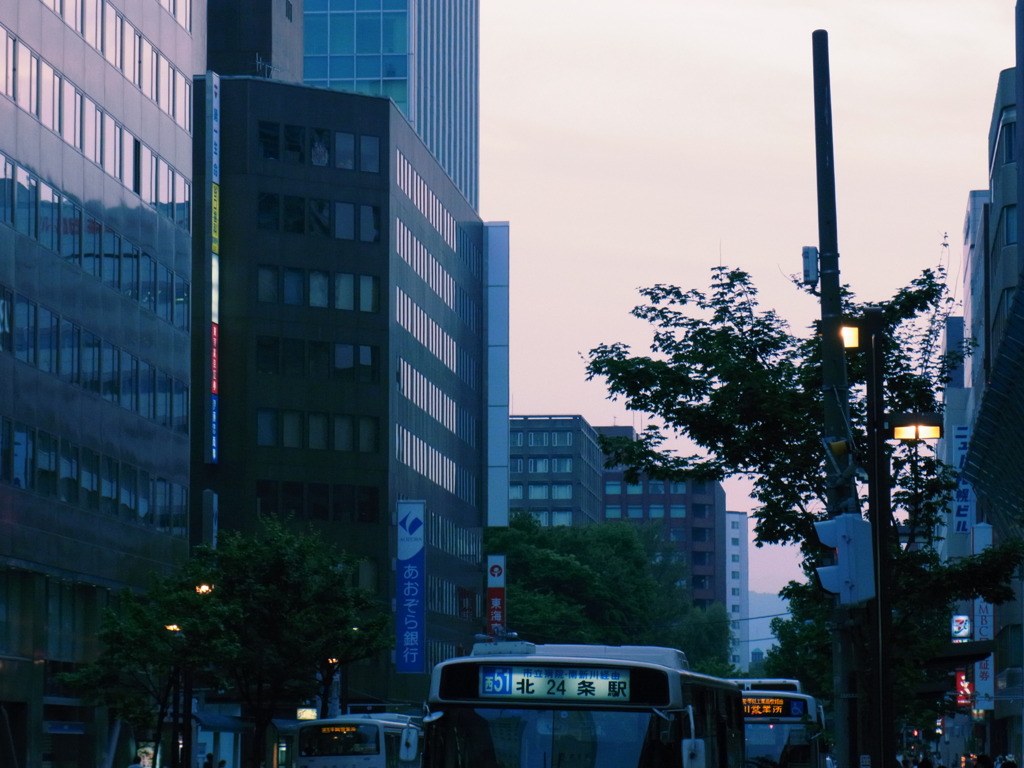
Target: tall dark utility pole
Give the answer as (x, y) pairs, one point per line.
(841, 491)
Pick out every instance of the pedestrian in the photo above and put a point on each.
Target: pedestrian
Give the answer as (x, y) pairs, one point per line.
(208, 762)
(983, 761)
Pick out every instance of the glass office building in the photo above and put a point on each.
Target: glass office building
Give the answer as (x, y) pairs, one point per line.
(422, 54)
(95, 283)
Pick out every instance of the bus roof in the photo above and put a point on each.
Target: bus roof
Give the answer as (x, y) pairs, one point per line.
(649, 654)
(769, 684)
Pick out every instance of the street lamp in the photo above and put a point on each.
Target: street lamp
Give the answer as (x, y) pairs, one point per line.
(869, 334)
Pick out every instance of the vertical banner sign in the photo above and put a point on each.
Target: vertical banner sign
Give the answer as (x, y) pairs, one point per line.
(496, 596)
(213, 172)
(410, 582)
(984, 678)
(964, 689)
(963, 502)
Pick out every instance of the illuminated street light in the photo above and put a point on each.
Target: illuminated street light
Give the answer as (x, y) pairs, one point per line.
(915, 426)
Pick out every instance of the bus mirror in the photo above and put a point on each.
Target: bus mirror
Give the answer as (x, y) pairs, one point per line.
(409, 751)
(693, 753)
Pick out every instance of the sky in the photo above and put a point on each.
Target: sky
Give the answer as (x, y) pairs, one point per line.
(630, 143)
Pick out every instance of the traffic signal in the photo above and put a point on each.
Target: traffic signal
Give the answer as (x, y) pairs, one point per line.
(852, 577)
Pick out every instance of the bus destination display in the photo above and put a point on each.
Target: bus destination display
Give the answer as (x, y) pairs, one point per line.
(774, 706)
(555, 683)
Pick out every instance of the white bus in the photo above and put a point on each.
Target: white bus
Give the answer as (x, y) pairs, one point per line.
(376, 740)
(519, 705)
(783, 729)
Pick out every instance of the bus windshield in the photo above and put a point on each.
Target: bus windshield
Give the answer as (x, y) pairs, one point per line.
(779, 745)
(510, 737)
(341, 739)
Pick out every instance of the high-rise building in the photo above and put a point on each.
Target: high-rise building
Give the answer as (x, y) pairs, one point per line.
(736, 575)
(351, 355)
(422, 54)
(983, 423)
(95, 279)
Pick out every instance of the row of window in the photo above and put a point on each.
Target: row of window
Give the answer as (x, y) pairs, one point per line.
(317, 431)
(540, 438)
(552, 517)
(425, 329)
(301, 145)
(53, 344)
(430, 270)
(321, 360)
(541, 464)
(128, 51)
(541, 490)
(426, 202)
(653, 487)
(641, 512)
(316, 216)
(39, 89)
(56, 468)
(336, 502)
(40, 211)
(435, 402)
(426, 460)
(450, 537)
(318, 288)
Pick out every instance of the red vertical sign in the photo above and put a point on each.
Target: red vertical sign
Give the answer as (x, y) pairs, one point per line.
(496, 596)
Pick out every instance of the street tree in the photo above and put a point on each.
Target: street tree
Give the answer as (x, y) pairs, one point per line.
(746, 392)
(612, 584)
(267, 617)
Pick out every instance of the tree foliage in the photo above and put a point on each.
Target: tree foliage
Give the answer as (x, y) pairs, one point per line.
(734, 380)
(609, 584)
(280, 612)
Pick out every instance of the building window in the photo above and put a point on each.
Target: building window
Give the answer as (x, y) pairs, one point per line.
(635, 512)
(561, 491)
(656, 487)
(656, 511)
(537, 491)
(345, 151)
(344, 221)
(561, 464)
(677, 510)
(537, 465)
(677, 487)
(266, 427)
(270, 140)
(735, 542)
(516, 439)
(515, 490)
(561, 438)
(634, 489)
(612, 487)
(561, 517)
(537, 438)
(515, 465)
(613, 512)
(369, 154)
(1010, 224)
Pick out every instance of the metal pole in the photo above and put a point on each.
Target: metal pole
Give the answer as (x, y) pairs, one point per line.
(841, 491)
(879, 508)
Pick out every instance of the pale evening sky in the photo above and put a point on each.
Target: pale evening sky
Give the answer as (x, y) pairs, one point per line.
(642, 142)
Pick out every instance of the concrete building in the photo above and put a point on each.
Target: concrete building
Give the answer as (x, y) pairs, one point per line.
(555, 468)
(737, 599)
(95, 287)
(351, 325)
(983, 420)
(557, 473)
(421, 54)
